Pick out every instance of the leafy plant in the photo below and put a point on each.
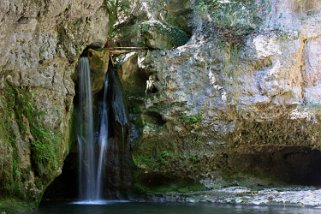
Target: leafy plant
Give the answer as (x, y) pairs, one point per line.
(113, 8)
(20, 106)
(192, 119)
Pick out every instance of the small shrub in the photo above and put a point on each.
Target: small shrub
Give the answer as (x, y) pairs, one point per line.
(192, 119)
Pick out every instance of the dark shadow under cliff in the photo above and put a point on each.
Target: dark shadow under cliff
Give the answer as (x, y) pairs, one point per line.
(289, 165)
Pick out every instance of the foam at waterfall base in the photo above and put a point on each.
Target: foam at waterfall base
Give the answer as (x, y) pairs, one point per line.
(98, 202)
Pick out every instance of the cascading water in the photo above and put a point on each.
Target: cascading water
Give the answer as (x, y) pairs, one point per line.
(85, 134)
(117, 100)
(102, 159)
(118, 148)
(102, 139)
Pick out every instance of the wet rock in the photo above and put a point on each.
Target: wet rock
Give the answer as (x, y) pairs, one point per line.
(98, 60)
(292, 196)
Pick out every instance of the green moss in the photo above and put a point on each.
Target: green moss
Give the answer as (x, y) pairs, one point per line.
(166, 161)
(72, 127)
(234, 13)
(11, 174)
(231, 58)
(232, 20)
(44, 142)
(192, 119)
(113, 7)
(12, 205)
(19, 107)
(159, 183)
(144, 161)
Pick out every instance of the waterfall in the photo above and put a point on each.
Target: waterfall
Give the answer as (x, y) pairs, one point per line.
(85, 134)
(102, 139)
(117, 100)
(101, 163)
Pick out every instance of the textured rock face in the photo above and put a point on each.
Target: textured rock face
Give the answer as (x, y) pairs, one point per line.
(40, 44)
(161, 36)
(246, 83)
(155, 24)
(98, 60)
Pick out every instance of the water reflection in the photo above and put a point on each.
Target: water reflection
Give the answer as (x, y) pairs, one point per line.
(168, 208)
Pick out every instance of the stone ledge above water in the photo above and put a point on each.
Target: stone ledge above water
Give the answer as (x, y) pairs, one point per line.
(291, 196)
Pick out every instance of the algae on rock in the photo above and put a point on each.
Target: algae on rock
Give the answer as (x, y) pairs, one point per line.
(34, 165)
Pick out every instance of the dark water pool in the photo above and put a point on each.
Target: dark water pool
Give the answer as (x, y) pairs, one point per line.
(166, 208)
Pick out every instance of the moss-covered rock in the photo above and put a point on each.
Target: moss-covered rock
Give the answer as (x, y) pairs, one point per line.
(98, 61)
(179, 14)
(41, 42)
(13, 205)
(173, 15)
(220, 105)
(231, 20)
(162, 36)
(133, 78)
(35, 151)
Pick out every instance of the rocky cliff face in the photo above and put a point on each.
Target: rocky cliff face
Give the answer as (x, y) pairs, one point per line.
(228, 88)
(243, 92)
(40, 44)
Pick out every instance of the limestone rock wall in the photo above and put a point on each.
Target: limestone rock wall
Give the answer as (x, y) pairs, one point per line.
(40, 42)
(245, 77)
(248, 78)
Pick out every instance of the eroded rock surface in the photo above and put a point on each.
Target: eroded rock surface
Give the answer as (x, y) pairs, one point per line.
(40, 44)
(247, 80)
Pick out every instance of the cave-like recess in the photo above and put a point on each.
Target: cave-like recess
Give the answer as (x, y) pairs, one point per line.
(288, 165)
